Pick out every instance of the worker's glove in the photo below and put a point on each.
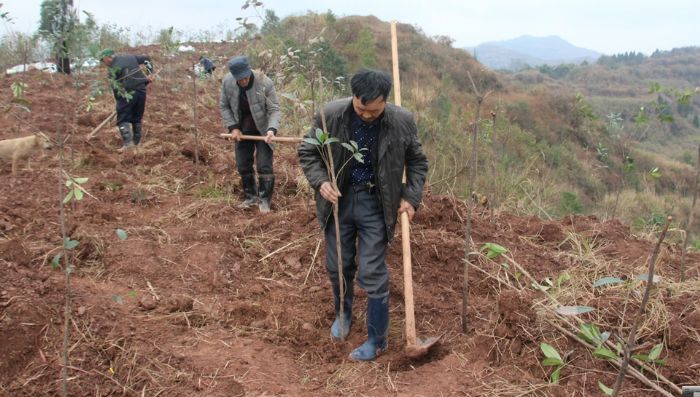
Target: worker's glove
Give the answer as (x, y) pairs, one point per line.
(149, 66)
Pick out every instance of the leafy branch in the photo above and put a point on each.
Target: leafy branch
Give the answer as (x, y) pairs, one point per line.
(323, 142)
(552, 359)
(75, 190)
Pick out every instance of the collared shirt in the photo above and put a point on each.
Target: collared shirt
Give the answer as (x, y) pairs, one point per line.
(365, 135)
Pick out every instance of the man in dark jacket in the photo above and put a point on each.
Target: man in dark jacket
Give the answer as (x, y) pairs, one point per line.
(249, 106)
(370, 197)
(128, 83)
(207, 64)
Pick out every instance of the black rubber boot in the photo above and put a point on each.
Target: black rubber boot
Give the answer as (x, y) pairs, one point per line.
(127, 136)
(251, 194)
(267, 184)
(137, 132)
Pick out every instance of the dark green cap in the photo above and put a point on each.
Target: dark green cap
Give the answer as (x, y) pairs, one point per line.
(107, 52)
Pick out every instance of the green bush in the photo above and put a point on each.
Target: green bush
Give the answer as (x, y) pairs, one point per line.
(570, 203)
(695, 245)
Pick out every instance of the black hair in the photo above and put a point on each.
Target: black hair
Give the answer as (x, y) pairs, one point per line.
(368, 85)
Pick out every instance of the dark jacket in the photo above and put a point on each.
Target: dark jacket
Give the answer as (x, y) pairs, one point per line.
(125, 71)
(397, 146)
(207, 64)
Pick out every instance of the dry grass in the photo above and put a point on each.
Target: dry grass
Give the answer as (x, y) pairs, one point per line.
(615, 306)
(497, 386)
(637, 208)
(359, 379)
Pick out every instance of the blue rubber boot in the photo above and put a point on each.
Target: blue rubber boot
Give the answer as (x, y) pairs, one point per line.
(347, 312)
(377, 330)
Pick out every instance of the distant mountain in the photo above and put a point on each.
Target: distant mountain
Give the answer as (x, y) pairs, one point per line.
(524, 51)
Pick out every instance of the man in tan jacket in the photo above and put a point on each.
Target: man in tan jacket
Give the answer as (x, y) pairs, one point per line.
(249, 106)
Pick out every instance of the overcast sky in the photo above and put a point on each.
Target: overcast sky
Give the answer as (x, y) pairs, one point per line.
(609, 26)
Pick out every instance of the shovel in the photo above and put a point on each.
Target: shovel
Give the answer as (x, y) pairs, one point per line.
(415, 347)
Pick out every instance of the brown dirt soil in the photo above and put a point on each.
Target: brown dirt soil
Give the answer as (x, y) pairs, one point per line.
(205, 299)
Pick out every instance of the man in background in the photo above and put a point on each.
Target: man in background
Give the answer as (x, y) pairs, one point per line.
(249, 106)
(207, 64)
(128, 83)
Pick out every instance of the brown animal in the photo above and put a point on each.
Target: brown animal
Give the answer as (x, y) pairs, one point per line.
(20, 148)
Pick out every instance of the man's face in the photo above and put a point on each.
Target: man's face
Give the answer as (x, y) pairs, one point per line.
(369, 111)
(107, 61)
(244, 82)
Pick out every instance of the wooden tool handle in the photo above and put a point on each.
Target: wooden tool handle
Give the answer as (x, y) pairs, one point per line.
(405, 222)
(289, 139)
(102, 124)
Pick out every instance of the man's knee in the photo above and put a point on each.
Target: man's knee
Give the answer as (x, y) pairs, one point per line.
(264, 165)
(265, 170)
(374, 277)
(378, 288)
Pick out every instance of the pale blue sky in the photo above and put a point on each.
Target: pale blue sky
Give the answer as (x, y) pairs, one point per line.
(611, 26)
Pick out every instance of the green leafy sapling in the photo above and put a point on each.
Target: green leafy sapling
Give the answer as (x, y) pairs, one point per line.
(493, 250)
(653, 356)
(18, 89)
(552, 359)
(68, 245)
(75, 190)
(608, 391)
(655, 173)
(591, 334)
(75, 193)
(322, 142)
(18, 101)
(116, 84)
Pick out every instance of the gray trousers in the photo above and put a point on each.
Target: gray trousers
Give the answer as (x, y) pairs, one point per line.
(363, 242)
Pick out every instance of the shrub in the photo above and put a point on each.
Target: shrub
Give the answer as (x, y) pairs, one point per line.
(570, 203)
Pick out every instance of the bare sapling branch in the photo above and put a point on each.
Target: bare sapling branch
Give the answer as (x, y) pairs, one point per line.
(470, 187)
(336, 218)
(691, 217)
(629, 347)
(67, 272)
(194, 117)
(494, 151)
